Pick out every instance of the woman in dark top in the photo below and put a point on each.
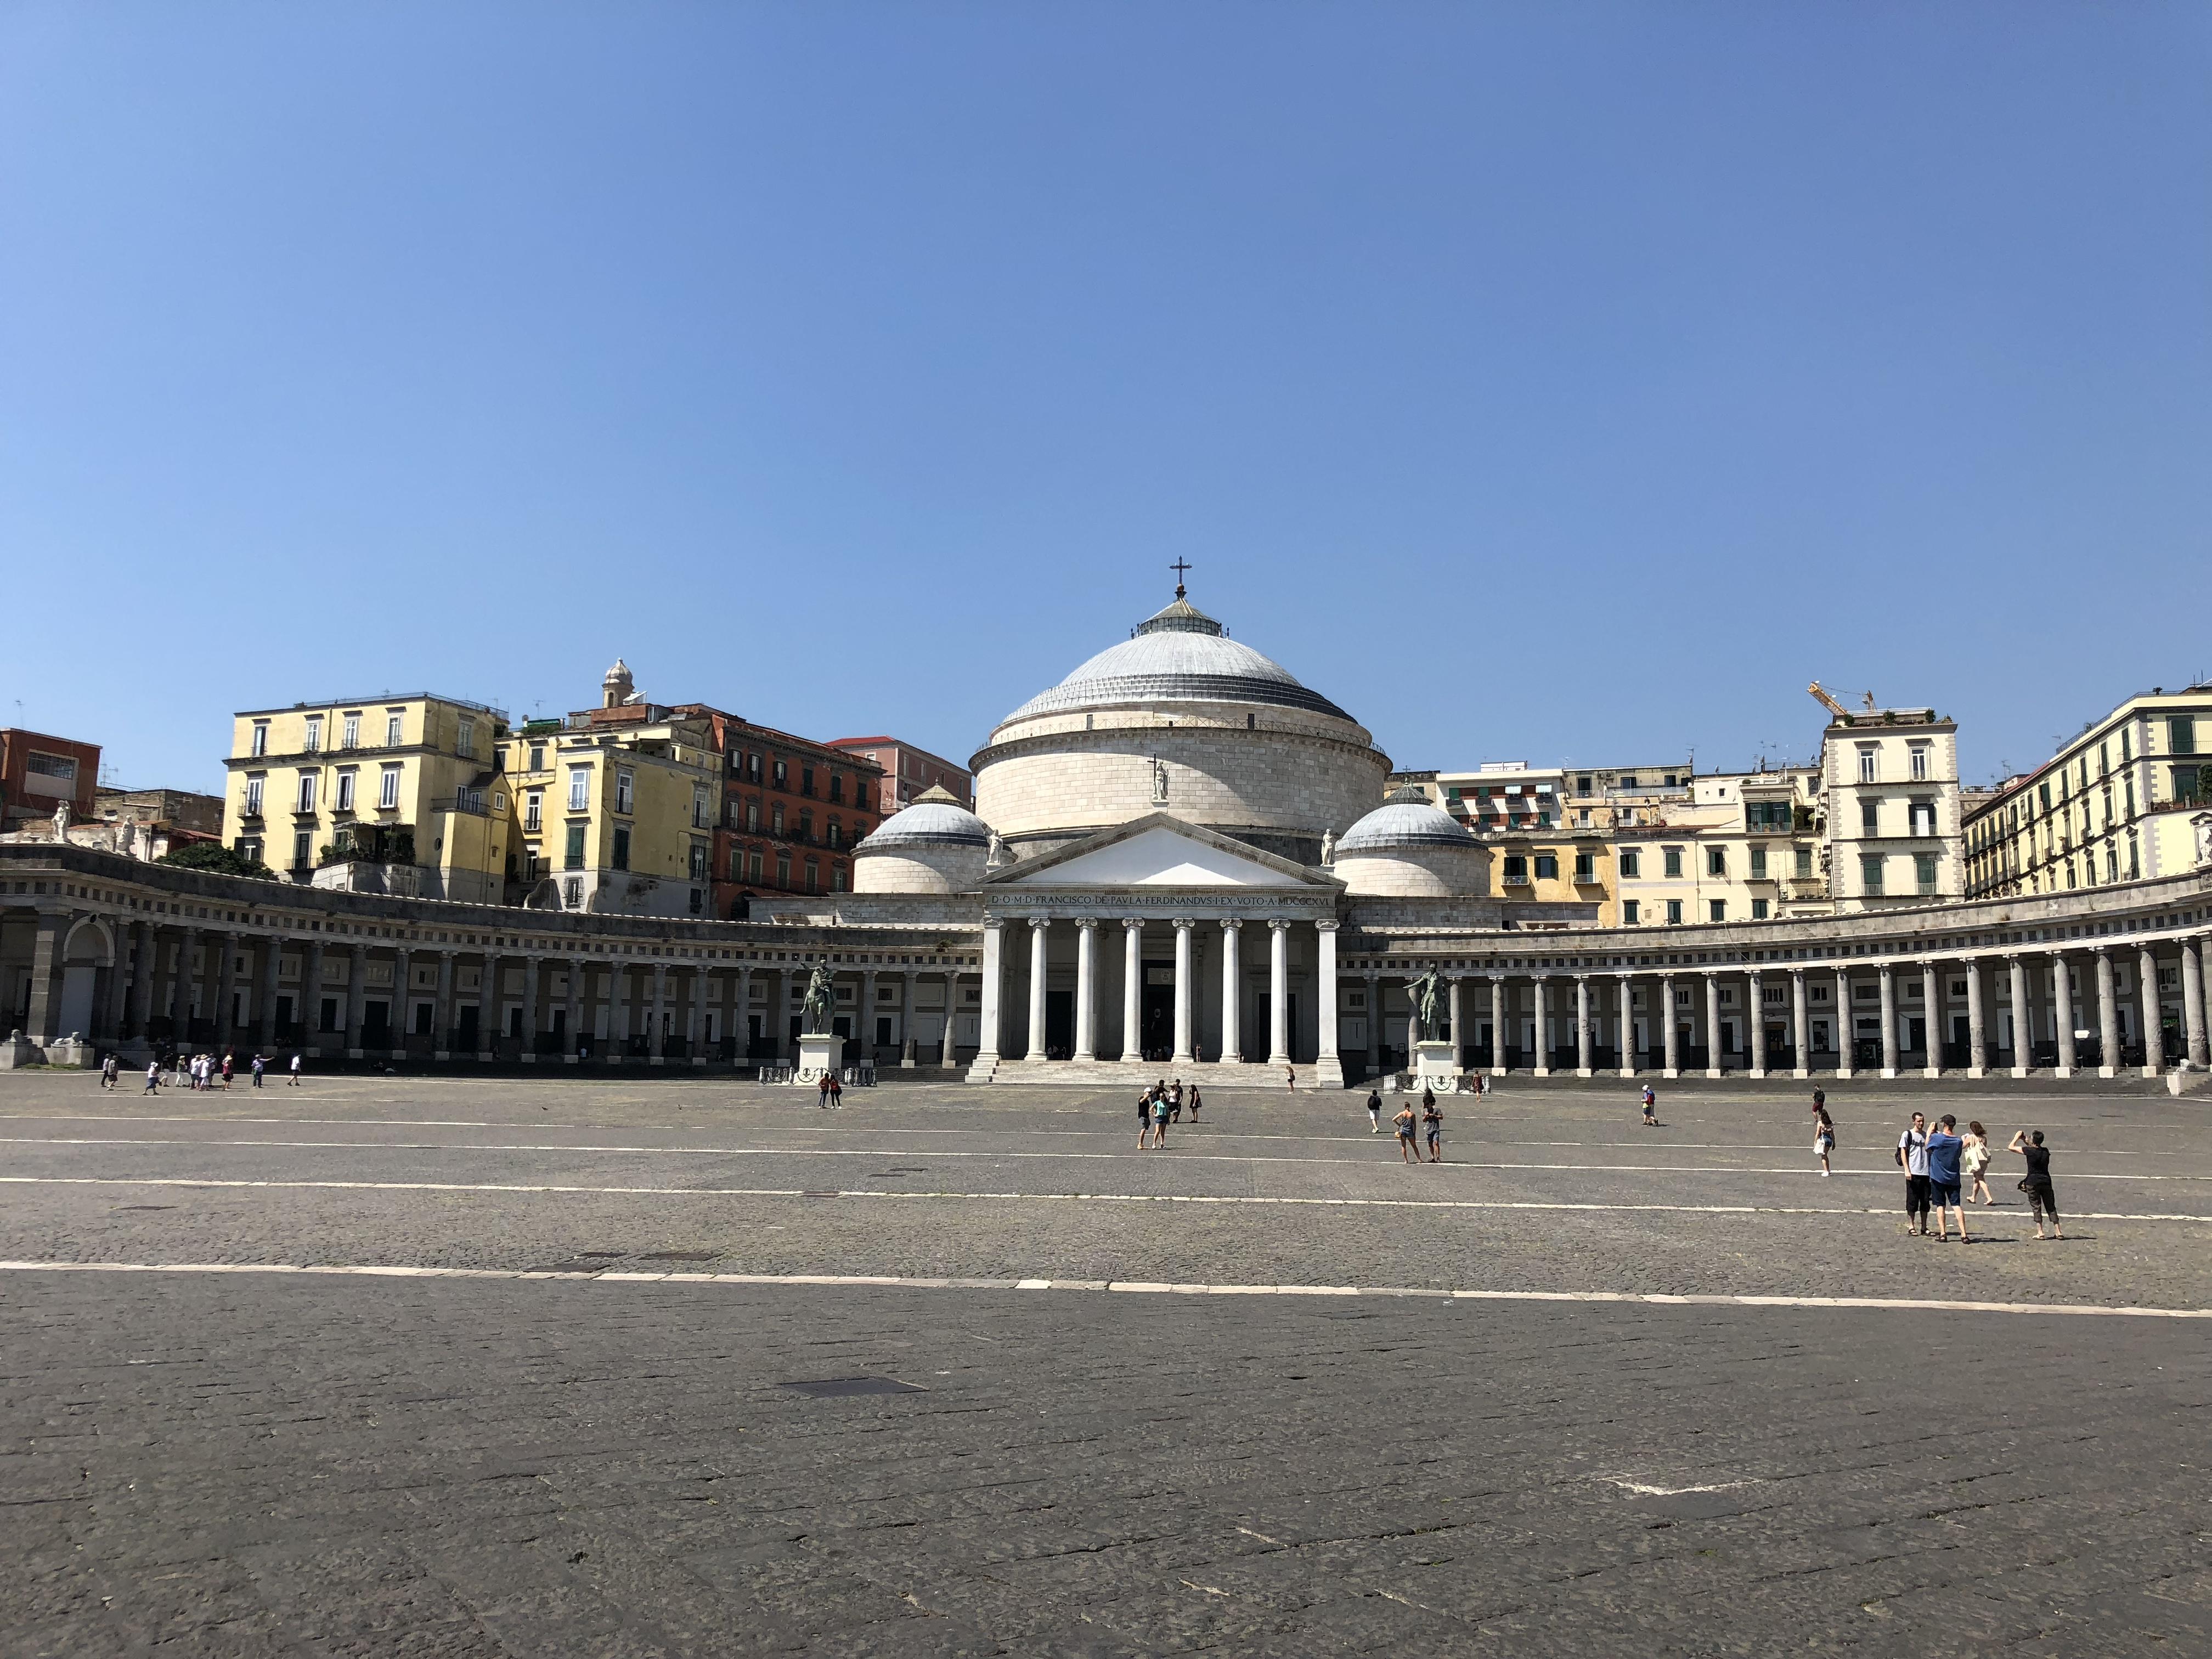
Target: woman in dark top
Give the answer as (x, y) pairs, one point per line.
(2036, 1183)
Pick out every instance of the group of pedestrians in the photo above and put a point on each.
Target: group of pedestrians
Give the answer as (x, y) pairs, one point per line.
(1162, 1104)
(829, 1091)
(1944, 1172)
(1429, 1123)
(196, 1071)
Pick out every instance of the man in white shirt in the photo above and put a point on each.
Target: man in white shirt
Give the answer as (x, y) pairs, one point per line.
(1912, 1155)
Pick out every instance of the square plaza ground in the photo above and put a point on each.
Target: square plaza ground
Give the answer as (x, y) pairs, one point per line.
(580, 1435)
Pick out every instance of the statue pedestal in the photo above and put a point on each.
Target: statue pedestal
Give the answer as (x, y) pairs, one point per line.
(1435, 1065)
(820, 1054)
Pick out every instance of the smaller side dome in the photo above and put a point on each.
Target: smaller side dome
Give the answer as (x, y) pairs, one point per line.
(1406, 848)
(1406, 819)
(933, 845)
(616, 687)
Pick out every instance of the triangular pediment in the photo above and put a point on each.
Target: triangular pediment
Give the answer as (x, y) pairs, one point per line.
(1158, 851)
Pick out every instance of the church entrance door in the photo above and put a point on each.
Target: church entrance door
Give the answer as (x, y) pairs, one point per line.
(1158, 1010)
(1060, 1024)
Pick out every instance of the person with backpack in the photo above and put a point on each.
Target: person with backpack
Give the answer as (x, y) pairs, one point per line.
(1375, 1111)
(1913, 1159)
(1650, 1108)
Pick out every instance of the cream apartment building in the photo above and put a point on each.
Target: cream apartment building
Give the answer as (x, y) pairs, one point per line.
(408, 782)
(1890, 803)
(2129, 799)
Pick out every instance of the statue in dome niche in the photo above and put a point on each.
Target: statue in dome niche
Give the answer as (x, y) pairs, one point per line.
(1159, 779)
(1328, 847)
(821, 1002)
(1422, 992)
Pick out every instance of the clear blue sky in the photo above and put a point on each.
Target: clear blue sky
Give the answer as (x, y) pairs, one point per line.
(1544, 381)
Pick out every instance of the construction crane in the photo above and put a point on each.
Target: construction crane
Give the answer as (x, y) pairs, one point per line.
(1828, 703)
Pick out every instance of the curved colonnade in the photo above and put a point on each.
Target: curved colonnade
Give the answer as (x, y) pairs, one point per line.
(113, 950)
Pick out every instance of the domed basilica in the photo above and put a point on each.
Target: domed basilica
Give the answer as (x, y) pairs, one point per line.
(1164, 848)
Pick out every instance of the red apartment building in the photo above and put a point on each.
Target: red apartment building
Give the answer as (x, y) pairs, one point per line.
(793, 809)
(907, 771)
(38, 773)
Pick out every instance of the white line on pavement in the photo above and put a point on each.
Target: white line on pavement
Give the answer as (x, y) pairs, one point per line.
(1981, 1216)
(880, 1153)
(1143, 1287)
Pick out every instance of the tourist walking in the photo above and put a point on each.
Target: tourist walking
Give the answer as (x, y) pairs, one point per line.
(1291, 1079)
(1944, 1146)
(1405, 1123)
(108, 1069)
(2036, 1183)
(836, 1090)
(1160, 1122)
(1174, 1101)
(1976, 1161)
(1824, 1131)
(152, 1076)
(1193, 1103)
(260, 1066)
(1375, 1111)
(822, 1091)
(228, 1061)
(1913, 1159)
(1432, 1123)
(294, 1081)
(1650, 1108)
(1144, 1119)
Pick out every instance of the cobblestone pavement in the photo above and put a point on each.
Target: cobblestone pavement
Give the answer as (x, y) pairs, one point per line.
(609, 1462)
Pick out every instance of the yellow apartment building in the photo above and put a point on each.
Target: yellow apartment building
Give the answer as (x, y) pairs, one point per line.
(409, 785)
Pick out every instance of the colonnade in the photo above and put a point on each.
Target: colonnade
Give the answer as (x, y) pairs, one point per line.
(2020, 1010)
(144, 985)
(1207, 1004)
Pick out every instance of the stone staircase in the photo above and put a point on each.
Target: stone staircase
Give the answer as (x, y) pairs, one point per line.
(1116, 1074)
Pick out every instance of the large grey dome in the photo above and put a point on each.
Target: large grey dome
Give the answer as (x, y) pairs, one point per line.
(925, 823)
(1179, 655)
(1407, 819)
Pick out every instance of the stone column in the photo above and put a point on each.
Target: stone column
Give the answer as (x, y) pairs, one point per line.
(993, 950)
(696, 981)
(1458, 1031)
(357, 998)
(656, 1017)
(1279, 992)
(1801, 1027)
(907, 1049)
(575, 1034)
(145, 959)
(1713, 1067)
(1038, 927)
(225, 992)
(401, 990)
(1498, 1024)
(1328, 1064)
(1132, 991)
(2147, 1011)
(442, 1016)
(45, 1007)
(180, 992)
(944, 1038)
(1183, 989)
(1846, 1036)
(1888, 1020)
(1931, 1012)
(779, 1017)
(1543, 996)
(488, 997)
(264, 1013)
(1624, 990)
(1668, 1033)
(1581, 1025)
(2192, 1001)
(2062, 1005)
(533, 980)
(1232, 1009)
(2108, 1016)
(310, 999)
(1086, 990)
(1373, 1064)
(1755, 1034)
(1978, 1023)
